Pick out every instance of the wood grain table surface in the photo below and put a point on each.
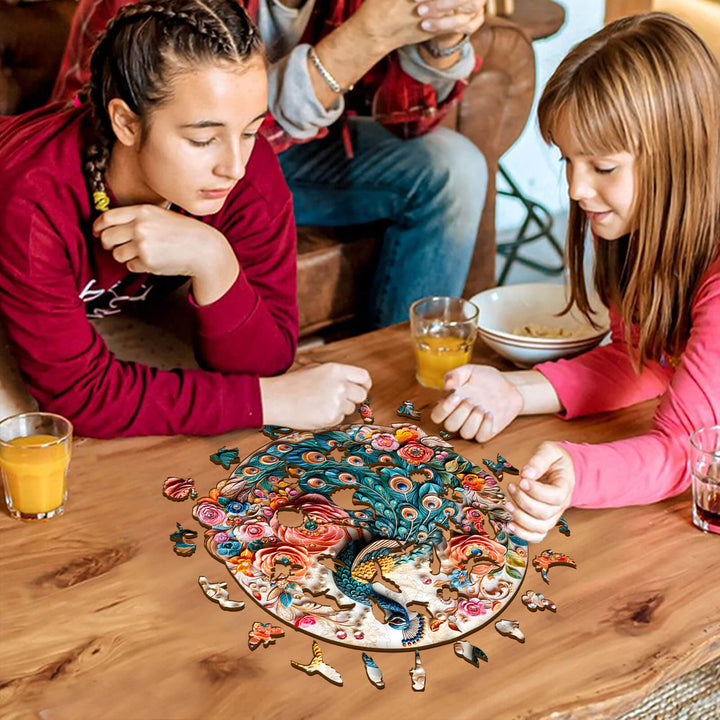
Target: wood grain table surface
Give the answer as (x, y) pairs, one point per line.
(100, 619)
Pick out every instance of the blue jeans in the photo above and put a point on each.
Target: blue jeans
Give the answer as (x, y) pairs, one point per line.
(431, 190)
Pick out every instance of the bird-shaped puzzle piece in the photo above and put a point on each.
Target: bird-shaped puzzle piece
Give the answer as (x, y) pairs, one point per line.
(317, 665)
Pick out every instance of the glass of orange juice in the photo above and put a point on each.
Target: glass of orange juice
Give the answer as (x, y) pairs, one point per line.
(35, 452)
(443, 331)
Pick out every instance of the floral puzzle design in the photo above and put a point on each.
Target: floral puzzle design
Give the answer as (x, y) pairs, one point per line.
(373, 537)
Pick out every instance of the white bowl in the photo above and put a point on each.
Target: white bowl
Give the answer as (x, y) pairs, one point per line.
(504, 309)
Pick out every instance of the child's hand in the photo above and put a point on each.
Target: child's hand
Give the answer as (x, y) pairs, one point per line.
(314, 397)
(543, 493)
(150, 239)
(483, 402)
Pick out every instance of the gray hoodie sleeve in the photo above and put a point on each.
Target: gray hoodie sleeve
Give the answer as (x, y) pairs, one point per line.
(292, 97)
(443, 81)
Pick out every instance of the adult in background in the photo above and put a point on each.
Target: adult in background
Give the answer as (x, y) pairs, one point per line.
(357, 91)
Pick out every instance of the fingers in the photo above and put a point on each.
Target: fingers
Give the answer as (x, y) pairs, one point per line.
(543, 492)
(460, 22)
(540, 463)
(458, 416)
(444, 408)
(487, 430)
(471, 426)
(116, 235)
(359, 376)
(458, 376)
(119, 216)
(525, 502)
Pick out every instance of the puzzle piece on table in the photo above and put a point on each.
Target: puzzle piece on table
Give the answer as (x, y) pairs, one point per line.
(275, 431)
(263, 634)
(562, 523)
(407, 409)
(225, 457)
(510, 628)
(179, 489)
(218, 592)
(467, 651)
(547, 558)
(537, 601)
(374, 673)
(366, 413)
(445, 435)
(417, 674)
(182, 548)
(501, 465)
(318, 665)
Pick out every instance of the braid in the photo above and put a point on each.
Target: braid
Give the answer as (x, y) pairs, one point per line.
(132, 57)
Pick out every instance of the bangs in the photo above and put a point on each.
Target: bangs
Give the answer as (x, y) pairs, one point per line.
(595, 108)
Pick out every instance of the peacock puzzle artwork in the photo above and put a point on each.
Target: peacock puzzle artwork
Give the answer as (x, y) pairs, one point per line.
(374, 537)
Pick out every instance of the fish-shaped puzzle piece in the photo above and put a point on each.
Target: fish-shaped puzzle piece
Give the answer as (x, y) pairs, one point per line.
(547, 558)
(225, 457)
(417, 674)
(218, 592)
(374, 673)
(510, 628)
(501, 465)
(181, 547)
(179, 489)
(537, 601)
(318, 665)
(263, 634)
(562, 523)
(407, 409)
(467, 651)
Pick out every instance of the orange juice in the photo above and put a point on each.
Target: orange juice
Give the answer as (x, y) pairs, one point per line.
(436, 355)
(34, 475)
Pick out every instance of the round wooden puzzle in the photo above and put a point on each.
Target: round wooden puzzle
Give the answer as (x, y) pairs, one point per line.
(374, 537)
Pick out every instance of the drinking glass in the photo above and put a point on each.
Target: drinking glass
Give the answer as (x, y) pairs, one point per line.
(35, 453)
(705, 469)
(443, 331)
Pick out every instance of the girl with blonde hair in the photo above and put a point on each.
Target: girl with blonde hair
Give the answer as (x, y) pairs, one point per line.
(635, 112)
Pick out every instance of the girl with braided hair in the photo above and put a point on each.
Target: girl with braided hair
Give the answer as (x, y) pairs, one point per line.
(159, 177)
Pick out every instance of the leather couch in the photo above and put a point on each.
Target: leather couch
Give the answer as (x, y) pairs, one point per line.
(334, 264)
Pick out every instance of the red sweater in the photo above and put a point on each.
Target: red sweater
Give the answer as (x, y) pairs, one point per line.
(54, 274)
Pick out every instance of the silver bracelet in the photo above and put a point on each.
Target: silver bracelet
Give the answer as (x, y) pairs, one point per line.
(332, 83)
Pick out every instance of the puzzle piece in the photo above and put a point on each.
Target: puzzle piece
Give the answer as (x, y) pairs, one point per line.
(218, 592)
(182, 548)
(373, 672)
(366, 413)
(417, 674)
(179, 489)
(275, 431)
(225, 457)
(407, 409)
(563, 525)
(537, 601)
(317, 665)
(445, 435)
(510, 628)
(263, 634)
(547, 559)
(498, 467)
(467, 651)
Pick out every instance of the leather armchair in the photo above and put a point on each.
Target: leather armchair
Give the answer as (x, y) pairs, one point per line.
(334, 264)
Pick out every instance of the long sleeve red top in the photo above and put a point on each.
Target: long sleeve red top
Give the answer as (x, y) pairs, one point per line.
(54, 275)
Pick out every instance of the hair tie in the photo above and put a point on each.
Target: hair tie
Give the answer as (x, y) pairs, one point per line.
(101, 200)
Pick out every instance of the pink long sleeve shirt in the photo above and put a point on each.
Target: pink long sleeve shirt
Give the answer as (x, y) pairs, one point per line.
(652, 466)
(54, 275)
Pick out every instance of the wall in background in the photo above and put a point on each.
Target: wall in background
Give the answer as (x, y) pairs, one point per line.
(534, 166)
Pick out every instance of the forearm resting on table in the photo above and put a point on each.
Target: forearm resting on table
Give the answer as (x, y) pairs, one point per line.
(538, 394)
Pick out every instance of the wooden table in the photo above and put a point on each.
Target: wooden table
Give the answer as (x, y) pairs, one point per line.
(99, 619)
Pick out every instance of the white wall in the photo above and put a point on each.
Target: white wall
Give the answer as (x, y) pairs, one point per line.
(534, 166)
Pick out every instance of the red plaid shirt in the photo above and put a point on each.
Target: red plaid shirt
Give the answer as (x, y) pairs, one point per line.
(404, 105)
